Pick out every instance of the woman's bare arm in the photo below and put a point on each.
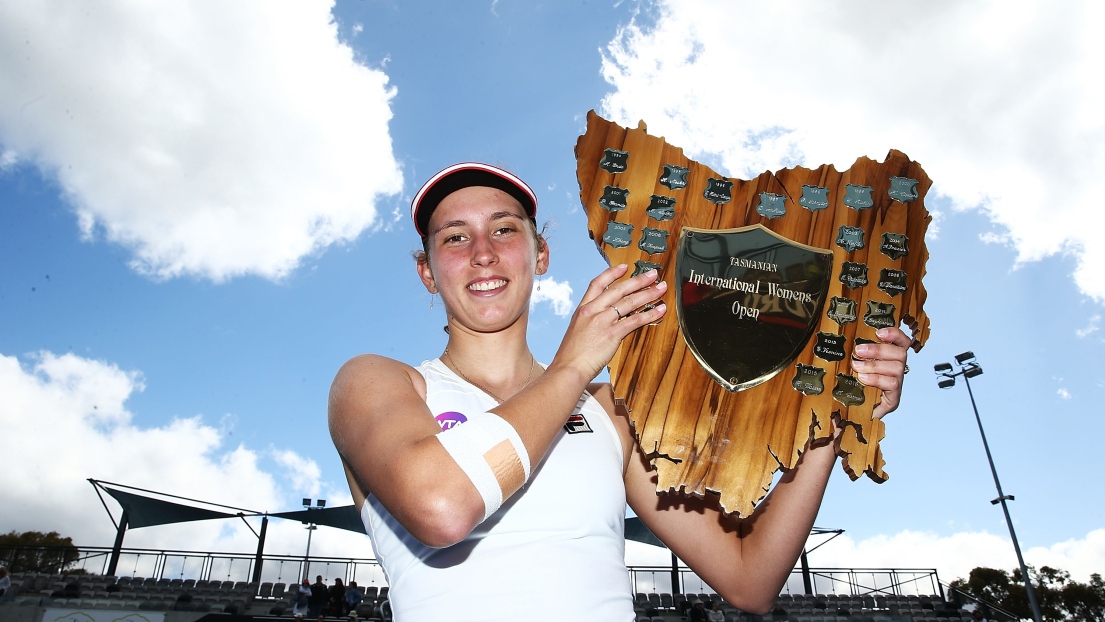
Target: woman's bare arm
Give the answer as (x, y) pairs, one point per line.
(748, 560)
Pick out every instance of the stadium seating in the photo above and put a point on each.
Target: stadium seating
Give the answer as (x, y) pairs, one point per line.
(202, 596)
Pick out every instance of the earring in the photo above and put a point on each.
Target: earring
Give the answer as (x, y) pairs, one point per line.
(539, 286)
(432, 296)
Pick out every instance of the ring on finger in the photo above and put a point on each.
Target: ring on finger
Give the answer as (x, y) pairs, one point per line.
(615, 308)
(906, 370)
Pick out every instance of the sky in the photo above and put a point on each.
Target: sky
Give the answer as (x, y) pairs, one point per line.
(204, 213)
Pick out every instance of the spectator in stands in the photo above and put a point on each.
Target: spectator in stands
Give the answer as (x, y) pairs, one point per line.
(317, 601)
(489, 482)
(715, 614)
(697, 612)
(335, 597)
(5, 581)
(353, 596)
(302, 599)
(977, 615)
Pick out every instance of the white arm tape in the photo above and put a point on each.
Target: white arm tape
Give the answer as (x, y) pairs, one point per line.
(468, 442)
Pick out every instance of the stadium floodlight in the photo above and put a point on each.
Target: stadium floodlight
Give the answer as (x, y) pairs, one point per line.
(969, 368)
(306, 502)
(963, 358)
(321, 503)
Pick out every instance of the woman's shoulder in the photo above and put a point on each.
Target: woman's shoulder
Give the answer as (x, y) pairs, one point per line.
(377, 374)
(373, 367)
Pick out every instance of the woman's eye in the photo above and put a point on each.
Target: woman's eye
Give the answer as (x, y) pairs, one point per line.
(453, 239)
(505, 229)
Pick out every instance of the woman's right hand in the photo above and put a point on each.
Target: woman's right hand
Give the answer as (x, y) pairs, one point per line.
(610, 310)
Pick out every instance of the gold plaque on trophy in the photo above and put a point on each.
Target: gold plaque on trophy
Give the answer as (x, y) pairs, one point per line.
(772, 282)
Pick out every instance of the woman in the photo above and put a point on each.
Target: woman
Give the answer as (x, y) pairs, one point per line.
(302, 594)
(335, 597)
(481, 501)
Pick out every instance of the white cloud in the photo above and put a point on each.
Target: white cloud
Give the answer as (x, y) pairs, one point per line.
(995, 99)
(65, 419)
(1063, 393)
(557, 293)
(1092, 327)
(211, 139)
(303, 473)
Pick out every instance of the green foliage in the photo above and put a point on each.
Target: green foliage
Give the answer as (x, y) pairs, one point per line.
(1060, 598)
(34, 551)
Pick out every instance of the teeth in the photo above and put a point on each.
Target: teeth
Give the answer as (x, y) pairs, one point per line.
(485, 286)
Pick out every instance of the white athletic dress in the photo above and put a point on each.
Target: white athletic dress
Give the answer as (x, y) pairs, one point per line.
(555, 550)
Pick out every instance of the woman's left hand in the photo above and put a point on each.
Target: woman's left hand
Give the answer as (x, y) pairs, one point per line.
(883, 365)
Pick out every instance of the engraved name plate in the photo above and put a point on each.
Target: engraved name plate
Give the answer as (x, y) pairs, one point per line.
(748, 300)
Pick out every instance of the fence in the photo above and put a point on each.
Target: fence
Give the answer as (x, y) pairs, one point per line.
(176, 564)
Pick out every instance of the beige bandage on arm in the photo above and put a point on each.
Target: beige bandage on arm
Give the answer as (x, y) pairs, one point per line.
(489, 451)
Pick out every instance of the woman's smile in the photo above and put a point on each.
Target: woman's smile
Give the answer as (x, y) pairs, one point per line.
(487, 285)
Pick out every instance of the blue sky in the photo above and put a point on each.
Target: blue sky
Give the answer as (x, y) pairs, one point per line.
(203, 214)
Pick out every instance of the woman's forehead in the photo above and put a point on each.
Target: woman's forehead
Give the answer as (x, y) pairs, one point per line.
(475, 202)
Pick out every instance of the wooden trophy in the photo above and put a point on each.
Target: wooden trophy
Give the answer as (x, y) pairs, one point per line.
(772, 283)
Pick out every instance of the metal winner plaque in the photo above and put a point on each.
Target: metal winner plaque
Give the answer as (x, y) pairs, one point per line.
(769, 293)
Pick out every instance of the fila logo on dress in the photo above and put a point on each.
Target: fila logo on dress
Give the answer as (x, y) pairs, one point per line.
(577, 424)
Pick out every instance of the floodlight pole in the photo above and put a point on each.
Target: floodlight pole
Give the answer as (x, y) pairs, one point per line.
(968, 364)
(311, 527)
(307, 556)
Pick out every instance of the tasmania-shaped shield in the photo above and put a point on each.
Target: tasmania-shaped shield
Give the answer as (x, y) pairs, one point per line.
(748, 300)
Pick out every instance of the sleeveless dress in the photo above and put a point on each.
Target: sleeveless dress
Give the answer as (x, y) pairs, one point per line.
(555, 550)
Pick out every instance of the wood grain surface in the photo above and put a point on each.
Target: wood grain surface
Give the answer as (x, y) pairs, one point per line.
(702, 438)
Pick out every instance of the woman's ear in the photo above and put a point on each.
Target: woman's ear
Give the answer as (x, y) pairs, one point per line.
(426, 274)
(542, 257)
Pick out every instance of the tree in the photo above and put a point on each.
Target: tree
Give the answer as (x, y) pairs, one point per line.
(34, 551)
(1059, 597)
(1083, 601)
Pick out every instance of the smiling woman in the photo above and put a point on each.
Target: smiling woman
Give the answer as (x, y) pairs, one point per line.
(478, 495)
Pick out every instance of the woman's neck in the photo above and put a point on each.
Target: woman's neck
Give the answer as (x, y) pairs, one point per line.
(499, 363)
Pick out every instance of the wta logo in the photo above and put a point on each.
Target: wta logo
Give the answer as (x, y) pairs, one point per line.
(449, 419)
